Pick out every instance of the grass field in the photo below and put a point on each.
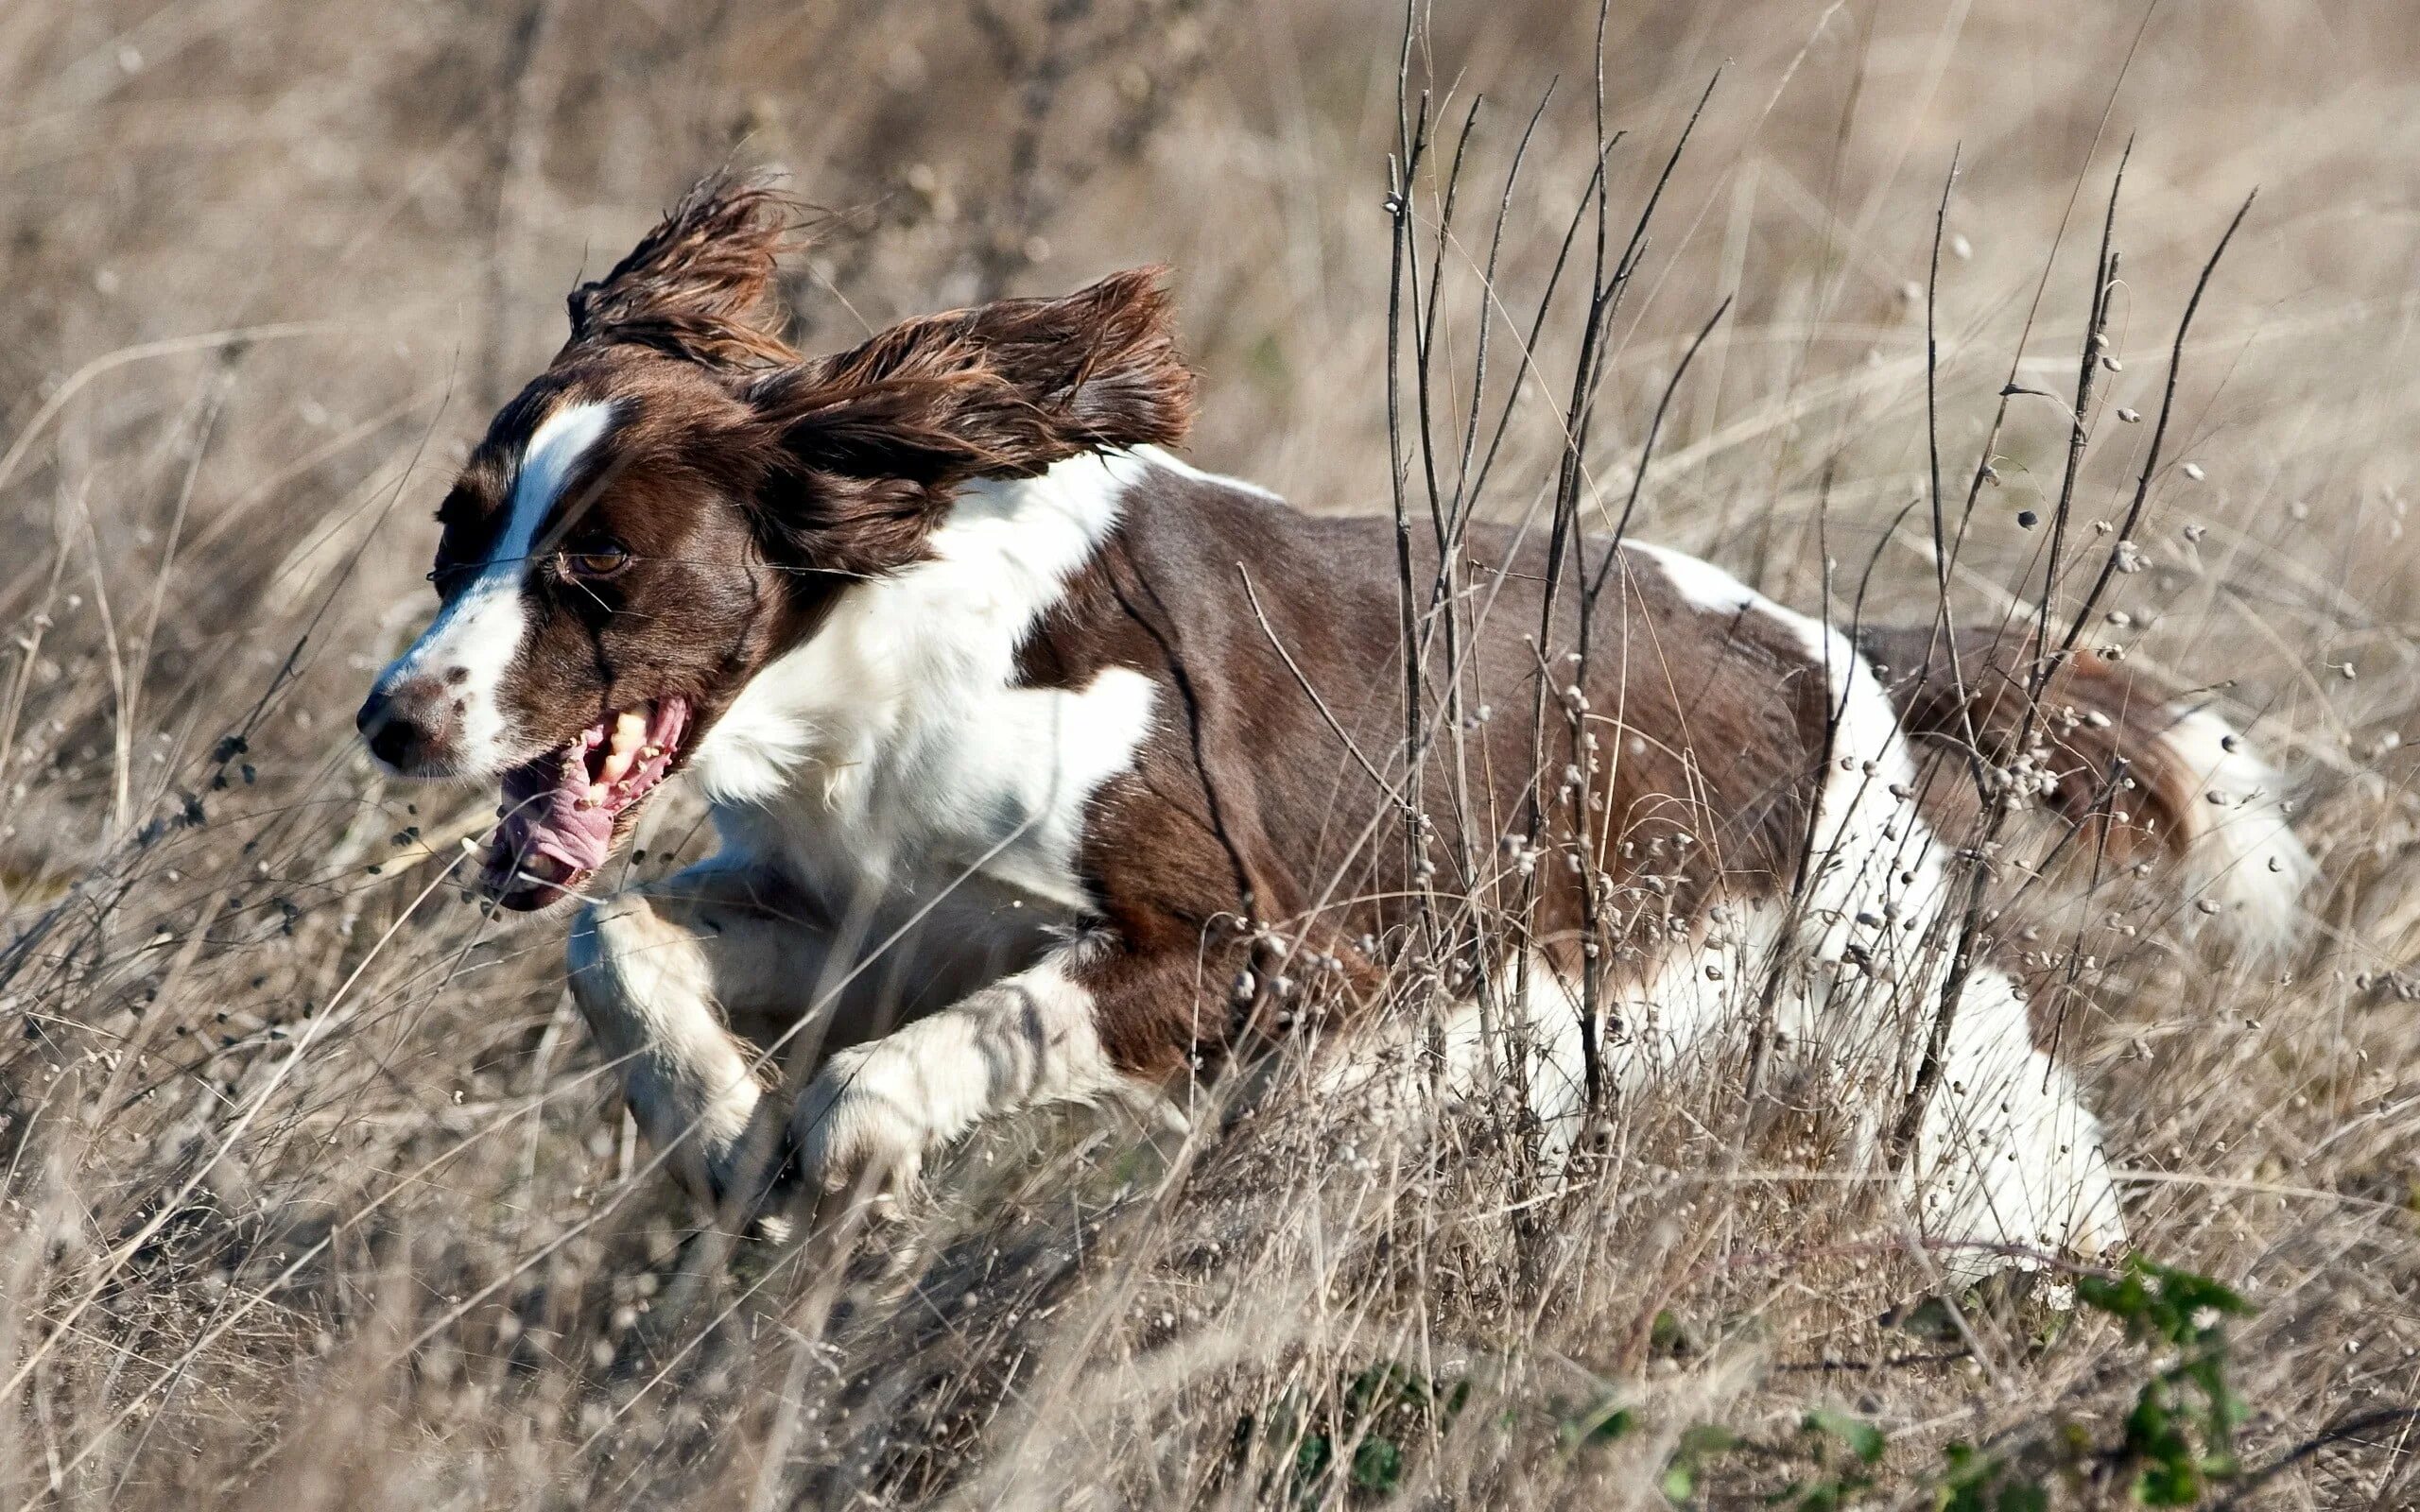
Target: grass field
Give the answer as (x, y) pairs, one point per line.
(315, 1194)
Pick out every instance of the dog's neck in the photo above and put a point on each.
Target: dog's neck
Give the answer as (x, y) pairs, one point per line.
(913, 657)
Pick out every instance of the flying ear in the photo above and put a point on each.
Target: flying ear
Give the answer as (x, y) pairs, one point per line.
(1000, 390)
(696, 286)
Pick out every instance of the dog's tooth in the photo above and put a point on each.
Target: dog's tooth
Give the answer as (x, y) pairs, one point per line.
(650, 753)
(630, 733)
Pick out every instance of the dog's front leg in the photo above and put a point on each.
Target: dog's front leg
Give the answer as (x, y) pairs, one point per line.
(658, 968)
(1045, 1035)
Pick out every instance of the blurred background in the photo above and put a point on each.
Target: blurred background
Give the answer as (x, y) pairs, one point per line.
(321, 1200)
(270, 268)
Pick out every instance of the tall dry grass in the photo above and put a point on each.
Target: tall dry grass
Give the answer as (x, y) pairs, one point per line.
(316, 1194)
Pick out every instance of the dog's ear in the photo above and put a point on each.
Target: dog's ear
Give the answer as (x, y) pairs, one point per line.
(1003, 390)
(695, 287)
(870, 443)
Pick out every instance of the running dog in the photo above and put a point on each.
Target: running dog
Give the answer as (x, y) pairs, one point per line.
(1087, 769)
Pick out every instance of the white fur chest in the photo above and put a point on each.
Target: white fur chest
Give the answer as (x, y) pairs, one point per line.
(891, 760)
(988, 798)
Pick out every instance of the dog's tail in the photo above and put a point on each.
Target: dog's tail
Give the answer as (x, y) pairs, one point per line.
(2116, 749)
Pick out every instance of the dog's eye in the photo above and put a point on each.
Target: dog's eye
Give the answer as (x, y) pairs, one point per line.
(596, 559)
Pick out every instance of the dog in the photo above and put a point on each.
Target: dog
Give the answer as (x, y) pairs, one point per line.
(1047, 767)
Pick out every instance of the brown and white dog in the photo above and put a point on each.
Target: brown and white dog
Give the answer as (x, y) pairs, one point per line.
(1047, 737)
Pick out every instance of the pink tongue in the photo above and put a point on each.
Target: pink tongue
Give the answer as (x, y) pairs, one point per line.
(540, 813)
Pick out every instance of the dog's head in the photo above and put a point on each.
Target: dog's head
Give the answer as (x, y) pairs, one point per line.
(679, 498)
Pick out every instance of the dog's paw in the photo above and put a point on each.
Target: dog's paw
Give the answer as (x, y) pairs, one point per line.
(754, 1179)
(860, 1122)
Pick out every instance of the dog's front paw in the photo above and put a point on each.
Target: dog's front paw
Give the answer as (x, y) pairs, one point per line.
(861, 1123)
(755, 1175)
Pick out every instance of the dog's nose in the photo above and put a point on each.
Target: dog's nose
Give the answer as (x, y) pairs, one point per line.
(408, 724)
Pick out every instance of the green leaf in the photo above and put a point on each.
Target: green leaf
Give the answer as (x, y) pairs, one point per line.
(2031, 1496)
(1703, 1440)
(1667, 1334)
(2190, 1292)
(1311, 1456)
(1696, 1443)
(1863, 1439)
(1972, 1478)
(2168, 1483)
(1600, 1425)
(1377, 1466)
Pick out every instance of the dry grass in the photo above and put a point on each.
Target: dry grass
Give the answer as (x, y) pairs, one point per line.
(316, 1194)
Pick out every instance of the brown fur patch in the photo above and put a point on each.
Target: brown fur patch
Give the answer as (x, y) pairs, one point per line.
(1001, 390)
(695, 287)
(2097, 732)
(874, 441)
(1247, 805)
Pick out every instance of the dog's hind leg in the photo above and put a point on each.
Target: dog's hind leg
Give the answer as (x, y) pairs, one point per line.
(2009, 1156)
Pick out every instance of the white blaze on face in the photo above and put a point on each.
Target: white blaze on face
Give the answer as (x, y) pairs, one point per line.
(480, 631)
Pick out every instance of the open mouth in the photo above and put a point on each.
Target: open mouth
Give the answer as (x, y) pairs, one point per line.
(562, 812)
